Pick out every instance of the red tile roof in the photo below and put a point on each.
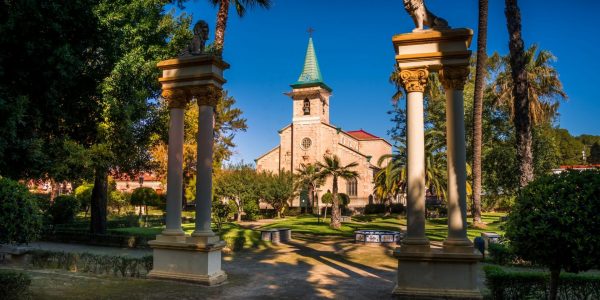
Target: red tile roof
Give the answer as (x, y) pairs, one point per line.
(362, 135)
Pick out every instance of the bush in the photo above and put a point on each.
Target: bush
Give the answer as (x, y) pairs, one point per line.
(42, 200)
(13, 285)
(374, 208)
(397, 208)
(555, 222)
(122, 266)
(501, 254)
(20, 217)
(111, 239)
(63, 209)
(83, 193)
(536, 285)
(144, 196)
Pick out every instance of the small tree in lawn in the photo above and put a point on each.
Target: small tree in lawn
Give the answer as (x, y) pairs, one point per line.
(144, 196)
(277, 190)
(555, 223)
(327, 199)
(332, 167)
(220, 212)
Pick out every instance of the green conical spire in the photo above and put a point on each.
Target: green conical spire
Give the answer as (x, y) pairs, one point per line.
(311, 73)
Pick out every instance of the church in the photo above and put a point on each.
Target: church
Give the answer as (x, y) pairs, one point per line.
(310, 136)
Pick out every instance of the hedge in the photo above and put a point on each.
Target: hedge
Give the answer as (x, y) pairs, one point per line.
(536, 285)
(122, 266)
(13, 285)
(111, 239)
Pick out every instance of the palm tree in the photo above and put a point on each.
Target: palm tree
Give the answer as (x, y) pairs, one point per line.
(308, 177)
(478, 108)
(223, 14)
(544, 91)
(391, 179)
(332, 167)
(520, 86)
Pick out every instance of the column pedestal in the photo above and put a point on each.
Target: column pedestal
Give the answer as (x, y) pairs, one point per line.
(437, 274)
(191, 259)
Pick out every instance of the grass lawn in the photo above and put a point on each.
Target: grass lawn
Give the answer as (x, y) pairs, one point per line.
(235, 236)
(435, 229)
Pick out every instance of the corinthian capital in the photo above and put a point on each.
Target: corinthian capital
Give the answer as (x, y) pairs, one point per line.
(454, 78)
(176, 98)
(206, 95)
(414, 80)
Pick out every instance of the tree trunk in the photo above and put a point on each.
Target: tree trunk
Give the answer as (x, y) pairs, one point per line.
(53, 190)
(311, 198)
(522, 120)
(554, 278)
(335, 206)
(478, 109)
(99, 202)
(221, 24)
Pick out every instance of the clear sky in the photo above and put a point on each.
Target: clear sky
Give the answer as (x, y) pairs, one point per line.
(353, 44)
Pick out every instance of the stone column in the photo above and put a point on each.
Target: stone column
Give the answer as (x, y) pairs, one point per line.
(177, 101)
(454, 78)
(207, 98)
(414, 81)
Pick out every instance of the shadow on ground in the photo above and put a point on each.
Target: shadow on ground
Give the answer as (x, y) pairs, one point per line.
(308, 267)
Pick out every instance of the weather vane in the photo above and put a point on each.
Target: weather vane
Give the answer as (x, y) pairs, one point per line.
(310, 31)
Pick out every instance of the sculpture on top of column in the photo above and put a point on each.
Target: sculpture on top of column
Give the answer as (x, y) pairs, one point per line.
(422, 16)
(198, 43)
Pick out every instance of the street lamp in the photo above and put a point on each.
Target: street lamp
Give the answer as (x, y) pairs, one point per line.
(141, 180)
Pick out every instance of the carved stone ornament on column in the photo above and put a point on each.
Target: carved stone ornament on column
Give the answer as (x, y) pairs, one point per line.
(176, 98)
(208, 95)
(414, 80)
(454, 77)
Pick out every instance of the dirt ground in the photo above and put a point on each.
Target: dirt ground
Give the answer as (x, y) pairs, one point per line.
(306, 268)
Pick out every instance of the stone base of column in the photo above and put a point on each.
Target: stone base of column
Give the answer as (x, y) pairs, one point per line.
(437, 275)
(190, 259)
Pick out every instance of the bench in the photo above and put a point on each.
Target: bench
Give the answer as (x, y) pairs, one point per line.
(345, 219)
(490, 237)
(276, 235)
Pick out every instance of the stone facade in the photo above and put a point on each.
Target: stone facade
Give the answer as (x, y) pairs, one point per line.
(310, 136)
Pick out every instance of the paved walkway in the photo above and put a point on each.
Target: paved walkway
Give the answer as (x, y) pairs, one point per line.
(306, 268)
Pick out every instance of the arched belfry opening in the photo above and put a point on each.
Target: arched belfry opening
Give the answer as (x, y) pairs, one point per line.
(306, 107)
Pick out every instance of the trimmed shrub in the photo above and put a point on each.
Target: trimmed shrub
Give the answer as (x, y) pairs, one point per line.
(63, 209)
(501, 254)
(83, 193)
(42, 200)
(144, 196)
(13, 285)
(397, 208)
(536, 285)
(121, 266)
(555, 223)
(374, 208)
(20, 217)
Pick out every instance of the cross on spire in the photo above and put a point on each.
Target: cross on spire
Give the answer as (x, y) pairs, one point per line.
(310, 31)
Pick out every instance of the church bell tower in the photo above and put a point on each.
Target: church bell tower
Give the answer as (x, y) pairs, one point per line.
(310, 94)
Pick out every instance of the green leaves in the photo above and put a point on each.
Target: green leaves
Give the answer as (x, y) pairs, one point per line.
(555, 221)
(20, 218)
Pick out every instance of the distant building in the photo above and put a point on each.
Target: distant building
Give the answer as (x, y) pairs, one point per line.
(127, 184)
(575, 167)
(310, 135)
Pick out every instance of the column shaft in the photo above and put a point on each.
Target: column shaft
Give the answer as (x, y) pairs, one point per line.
(175, 173)
(416, 168)
(457, 172)
(204, 169)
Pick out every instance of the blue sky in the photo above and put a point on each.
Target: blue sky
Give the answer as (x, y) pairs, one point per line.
(353, 43)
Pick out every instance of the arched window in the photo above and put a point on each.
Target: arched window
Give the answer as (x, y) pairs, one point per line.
(306, 107)
(352, 187)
